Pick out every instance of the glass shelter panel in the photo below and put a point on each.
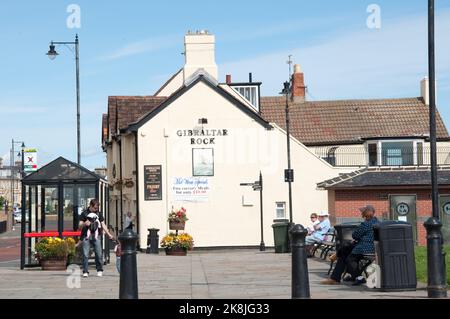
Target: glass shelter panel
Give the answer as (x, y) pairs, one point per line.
(76, 199)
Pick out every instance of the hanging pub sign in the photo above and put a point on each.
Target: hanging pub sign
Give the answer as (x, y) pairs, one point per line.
(152, 182)
(30, 161)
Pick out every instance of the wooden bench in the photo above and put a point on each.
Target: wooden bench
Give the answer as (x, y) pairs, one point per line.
(327, 245)
(362, 265)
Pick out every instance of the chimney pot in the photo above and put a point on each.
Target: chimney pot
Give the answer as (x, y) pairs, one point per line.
(228, 79)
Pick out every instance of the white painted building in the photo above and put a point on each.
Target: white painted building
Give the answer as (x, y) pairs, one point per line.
(196, 140)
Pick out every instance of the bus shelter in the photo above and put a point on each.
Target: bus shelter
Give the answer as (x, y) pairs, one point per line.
(52, 200)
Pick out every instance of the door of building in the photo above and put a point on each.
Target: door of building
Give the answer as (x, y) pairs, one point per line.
(403, 208)
(444, 204)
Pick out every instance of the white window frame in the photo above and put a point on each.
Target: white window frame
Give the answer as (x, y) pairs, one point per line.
(276, 210)
(238, 87)
(380, 148)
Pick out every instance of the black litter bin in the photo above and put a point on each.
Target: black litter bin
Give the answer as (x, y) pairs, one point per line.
(394, 248)
(344, 233)
(281, 237)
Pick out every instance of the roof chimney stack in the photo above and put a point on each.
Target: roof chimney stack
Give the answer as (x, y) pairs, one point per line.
(228, 79)
(199, 53)
(425, 90)
(298, 85)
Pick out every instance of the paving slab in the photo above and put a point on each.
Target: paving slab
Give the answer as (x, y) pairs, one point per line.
(218, 274)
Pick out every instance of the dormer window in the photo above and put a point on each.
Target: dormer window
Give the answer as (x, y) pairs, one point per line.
(249, 91)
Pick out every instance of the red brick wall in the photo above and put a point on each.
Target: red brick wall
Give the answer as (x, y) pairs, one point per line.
(345, 203)
(298, 86)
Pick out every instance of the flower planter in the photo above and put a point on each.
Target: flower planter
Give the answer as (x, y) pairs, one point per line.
(54, 264)
(176, 225)
(176, 251)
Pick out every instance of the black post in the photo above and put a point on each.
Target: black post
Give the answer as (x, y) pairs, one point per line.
(437, 282)
(437, 286)
(262, 246)
(288, 140)
(300, 280)
(22, 228)
(22, 208)
(60, 209)
(128, 265)
(42, 209)
(152, 241)
(431, 68)
(13, 174)
(77, 59)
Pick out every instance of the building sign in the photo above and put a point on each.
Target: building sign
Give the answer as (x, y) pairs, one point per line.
(446, 208)
(191, 189)
(152, 182)
(30, 161)
(402, 209)
(203, 162)
(202, 136)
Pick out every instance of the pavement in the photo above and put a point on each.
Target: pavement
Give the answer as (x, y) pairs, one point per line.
(10, 247)
(217, 274)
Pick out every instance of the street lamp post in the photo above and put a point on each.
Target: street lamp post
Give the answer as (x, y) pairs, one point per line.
(23, 221)
(437, 284)
(13, 169)
(52, 54)
(289, 173)
(258, 186)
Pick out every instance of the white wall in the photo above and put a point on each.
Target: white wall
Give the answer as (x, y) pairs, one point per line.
(173, 85)
(239, 157)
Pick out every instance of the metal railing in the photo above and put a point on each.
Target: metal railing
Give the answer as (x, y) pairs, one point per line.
(359, 156)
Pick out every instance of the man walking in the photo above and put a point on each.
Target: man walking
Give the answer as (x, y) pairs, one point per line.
(92, 226)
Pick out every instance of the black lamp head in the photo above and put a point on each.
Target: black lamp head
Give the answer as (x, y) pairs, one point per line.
(52, 54)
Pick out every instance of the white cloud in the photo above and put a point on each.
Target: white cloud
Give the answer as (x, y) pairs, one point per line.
(144, 46)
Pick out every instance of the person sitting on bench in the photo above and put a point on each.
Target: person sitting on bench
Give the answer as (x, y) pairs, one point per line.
(318, 235)
(350, 255)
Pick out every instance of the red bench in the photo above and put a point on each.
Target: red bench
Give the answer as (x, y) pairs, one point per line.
(53, 234)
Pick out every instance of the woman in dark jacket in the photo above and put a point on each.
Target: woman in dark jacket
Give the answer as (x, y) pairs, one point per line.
(349, 257)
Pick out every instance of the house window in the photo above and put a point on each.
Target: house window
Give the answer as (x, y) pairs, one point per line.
(250, 93)
(373, 154)
(281, 210)
(419, 153)
(397, 153)
(331, 156)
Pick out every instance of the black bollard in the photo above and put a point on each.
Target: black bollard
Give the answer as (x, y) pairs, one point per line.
(128, 266)
(437, 282)
(300, 280)
(152, 241)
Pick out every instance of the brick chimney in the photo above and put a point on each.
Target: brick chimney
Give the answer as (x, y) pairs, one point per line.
(298, 85)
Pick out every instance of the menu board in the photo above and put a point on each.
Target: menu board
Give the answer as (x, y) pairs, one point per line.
(152, 182)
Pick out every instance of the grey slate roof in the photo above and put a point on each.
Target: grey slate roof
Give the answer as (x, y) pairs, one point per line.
(375, 177)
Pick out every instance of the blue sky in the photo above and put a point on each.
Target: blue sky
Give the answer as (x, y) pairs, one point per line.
(132, 47)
